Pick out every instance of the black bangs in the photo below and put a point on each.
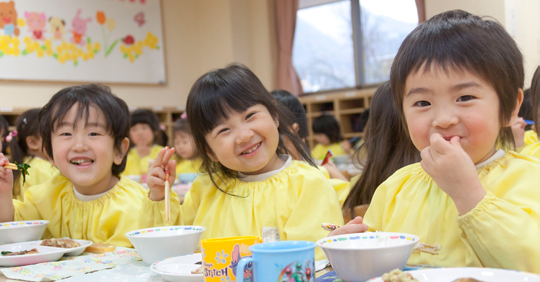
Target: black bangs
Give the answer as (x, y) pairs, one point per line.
(217, 99)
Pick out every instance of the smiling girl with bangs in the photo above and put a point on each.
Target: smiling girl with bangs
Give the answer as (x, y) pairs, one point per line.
(251, 185)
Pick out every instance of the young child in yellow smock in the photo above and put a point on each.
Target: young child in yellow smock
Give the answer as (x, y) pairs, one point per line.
(457, 80)
(188, 161)
(142, 134)
(84, 131)
(328, 137)
(26, 147)
(532, 147)
(251, 185)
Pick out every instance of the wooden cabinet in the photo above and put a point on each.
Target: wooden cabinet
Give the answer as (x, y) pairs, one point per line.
(167, 116)
(345, 106)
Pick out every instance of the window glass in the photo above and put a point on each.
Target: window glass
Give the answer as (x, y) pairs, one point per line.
(323, 49)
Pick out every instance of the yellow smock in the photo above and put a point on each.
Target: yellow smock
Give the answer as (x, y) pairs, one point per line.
(530, 137)
(137, 165)
(188, 166)
(532, 150)
(103, 220)
(319, 152)
(342, 187)
(296, 201)
(500, 232)
(40, 171)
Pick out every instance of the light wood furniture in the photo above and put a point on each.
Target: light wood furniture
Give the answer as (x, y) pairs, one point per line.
(345, 106)
(167, 116)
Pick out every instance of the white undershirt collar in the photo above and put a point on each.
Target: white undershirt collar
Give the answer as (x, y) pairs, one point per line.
(87, 198)
(495, 156)
(263, 176)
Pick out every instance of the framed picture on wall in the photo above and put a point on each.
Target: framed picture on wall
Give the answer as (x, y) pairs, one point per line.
(82, 40)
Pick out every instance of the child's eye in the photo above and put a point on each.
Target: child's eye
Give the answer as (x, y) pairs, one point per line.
(94, 134)
(65, 134)
(422, 104)
(465, 98)
(222, 131)
(249, 115)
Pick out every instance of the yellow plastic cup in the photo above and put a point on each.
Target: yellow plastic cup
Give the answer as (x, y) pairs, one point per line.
(221, 256)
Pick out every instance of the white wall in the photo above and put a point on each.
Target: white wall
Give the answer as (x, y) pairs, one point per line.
(519, 17)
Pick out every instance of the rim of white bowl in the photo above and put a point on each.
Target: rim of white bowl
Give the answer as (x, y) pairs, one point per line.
(371, 236)
(22, 224)
(134, 233)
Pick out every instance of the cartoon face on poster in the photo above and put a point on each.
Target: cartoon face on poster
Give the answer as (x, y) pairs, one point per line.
(298, 272)
(78, 40)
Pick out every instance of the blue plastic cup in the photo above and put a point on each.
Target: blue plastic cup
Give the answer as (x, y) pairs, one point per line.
(279, 261)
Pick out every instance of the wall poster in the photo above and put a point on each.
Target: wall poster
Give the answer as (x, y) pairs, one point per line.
(82, 40)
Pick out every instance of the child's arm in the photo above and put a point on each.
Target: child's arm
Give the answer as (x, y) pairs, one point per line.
(354, 226)
(6, 186)
(453, 171)
(155, 178)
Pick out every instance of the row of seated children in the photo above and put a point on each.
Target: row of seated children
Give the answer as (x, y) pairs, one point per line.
(461, 191)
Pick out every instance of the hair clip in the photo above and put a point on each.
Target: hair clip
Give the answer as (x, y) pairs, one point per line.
(162, 127)
(11, 135)
(25, 121)
(184, 115)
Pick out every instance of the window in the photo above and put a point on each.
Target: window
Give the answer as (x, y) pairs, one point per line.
(349, 43)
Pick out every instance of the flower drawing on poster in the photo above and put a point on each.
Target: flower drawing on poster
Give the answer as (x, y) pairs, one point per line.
(73, 38)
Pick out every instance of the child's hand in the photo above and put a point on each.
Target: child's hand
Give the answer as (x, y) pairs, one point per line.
(518, 130)
(346, 146)
(353, 226)
(155, 178)
(453, 171)
(334, 172)
(6, 177)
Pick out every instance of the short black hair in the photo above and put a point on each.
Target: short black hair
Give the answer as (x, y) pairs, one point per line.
(526, 109)
(458, 40)
(145, 117)
(327, 124)
(114, 109)
(295, 107)
(181, 125)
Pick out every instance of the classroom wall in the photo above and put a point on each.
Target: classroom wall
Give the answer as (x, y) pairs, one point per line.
(198, 36)
(519, 17)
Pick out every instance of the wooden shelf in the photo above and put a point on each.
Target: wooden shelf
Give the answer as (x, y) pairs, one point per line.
(166, 115)
(345, 106)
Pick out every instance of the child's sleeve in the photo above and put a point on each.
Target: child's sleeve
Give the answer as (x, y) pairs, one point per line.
(503, 229)
(316, 203)
(26, 210)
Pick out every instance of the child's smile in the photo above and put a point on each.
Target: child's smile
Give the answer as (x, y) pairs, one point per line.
(246, 142)
(452, 103)
(84, 151)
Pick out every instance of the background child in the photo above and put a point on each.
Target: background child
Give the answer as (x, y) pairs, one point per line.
(533, 149)
(143, 133)
(328, 136)
(252, 187)
(386, 148)
(84, 131)
(189, 163)
(26, 147)
(523, 135)
(4, 130)
(457, 82)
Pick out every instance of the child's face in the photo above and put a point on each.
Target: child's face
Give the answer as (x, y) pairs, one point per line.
(141, 134)
(322, 139)
(85, 154)
(246, 141)
(184, 145)
(453, 103)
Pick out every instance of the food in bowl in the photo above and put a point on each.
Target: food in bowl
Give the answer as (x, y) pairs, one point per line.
(362, 256)
(158, 243)
(397, 275)
(60, 243)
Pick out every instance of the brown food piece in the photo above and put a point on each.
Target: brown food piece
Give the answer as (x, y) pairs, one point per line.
(60, 243)
(466, 280)
(100, 248)
(25, 252)
(199, 270)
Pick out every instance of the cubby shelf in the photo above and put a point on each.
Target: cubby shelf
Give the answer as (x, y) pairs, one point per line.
(345, 106)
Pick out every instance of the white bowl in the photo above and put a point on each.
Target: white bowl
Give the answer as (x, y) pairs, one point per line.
(22, 231)
(158, 243)
(178, 269)
(359, 257)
